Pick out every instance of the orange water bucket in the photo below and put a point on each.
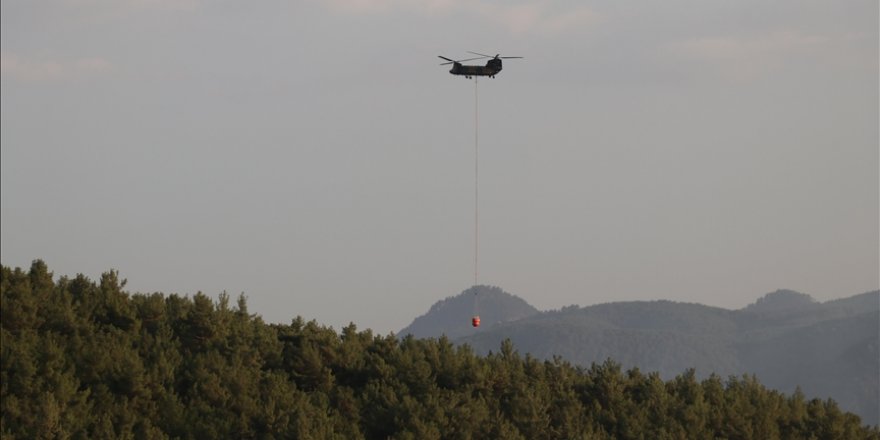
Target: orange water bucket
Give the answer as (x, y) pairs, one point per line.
(475, 321)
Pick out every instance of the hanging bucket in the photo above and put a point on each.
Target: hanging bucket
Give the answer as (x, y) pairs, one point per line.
(475, 321)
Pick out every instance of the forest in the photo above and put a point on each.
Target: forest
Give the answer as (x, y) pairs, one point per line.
(86, 359)
(786, 339)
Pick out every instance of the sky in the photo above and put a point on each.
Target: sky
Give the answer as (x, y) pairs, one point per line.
(315, 156)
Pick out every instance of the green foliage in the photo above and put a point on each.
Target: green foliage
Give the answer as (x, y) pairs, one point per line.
(786, 339)
(81, 360)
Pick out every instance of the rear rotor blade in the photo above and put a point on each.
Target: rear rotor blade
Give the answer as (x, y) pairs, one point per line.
(481, 54)
(458, 61)
(509, 57)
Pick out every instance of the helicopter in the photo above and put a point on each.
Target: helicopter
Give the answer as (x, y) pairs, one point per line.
(492, 67)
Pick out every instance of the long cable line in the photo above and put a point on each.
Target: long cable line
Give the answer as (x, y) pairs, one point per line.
(476, 319)
(476, 182)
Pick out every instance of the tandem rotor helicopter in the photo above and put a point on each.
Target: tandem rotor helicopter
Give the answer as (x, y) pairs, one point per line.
(492, 67)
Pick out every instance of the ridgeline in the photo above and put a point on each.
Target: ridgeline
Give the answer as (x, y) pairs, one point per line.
(786, 339)
(85, 359)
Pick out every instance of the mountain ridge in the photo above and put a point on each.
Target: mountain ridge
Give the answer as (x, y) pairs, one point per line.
(786, 338)
(451, 315)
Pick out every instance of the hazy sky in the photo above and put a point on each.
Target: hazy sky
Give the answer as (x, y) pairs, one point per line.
(313, 154)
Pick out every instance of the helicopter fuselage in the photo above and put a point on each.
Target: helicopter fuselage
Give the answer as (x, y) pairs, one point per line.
(490, 69)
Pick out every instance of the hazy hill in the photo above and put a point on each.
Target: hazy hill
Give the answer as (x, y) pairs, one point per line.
(452, 316)
(829, 349)
(786, 338)
(781, 300)
(659, 336)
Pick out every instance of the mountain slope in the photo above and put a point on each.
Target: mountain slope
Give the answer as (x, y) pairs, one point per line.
(837, 357)
(786, 338)
(451, 316)
(660, 336)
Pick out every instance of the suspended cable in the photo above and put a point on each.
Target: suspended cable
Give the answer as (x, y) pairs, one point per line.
(475, 321)
(476, 182)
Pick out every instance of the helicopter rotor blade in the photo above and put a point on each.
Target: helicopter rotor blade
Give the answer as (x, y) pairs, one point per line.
(458, 61)
(481, 54)
(470, 59)
(490, 56)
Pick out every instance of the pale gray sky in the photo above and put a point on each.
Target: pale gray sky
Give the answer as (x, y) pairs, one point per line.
(315, 156)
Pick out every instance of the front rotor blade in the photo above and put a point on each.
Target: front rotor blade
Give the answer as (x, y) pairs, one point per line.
(509, 57)
(470, 59)
(447, 59)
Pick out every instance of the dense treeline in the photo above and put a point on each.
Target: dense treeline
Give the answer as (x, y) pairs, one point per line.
(87, 360)
(787, 339)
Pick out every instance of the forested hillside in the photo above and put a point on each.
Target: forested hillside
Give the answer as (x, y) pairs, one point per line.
(88, 360)
(785, 338)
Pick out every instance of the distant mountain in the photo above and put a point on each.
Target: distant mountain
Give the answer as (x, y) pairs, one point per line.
(659, 336)
(451, 316)
(786, 338)
(826, 349)
(781, 300)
